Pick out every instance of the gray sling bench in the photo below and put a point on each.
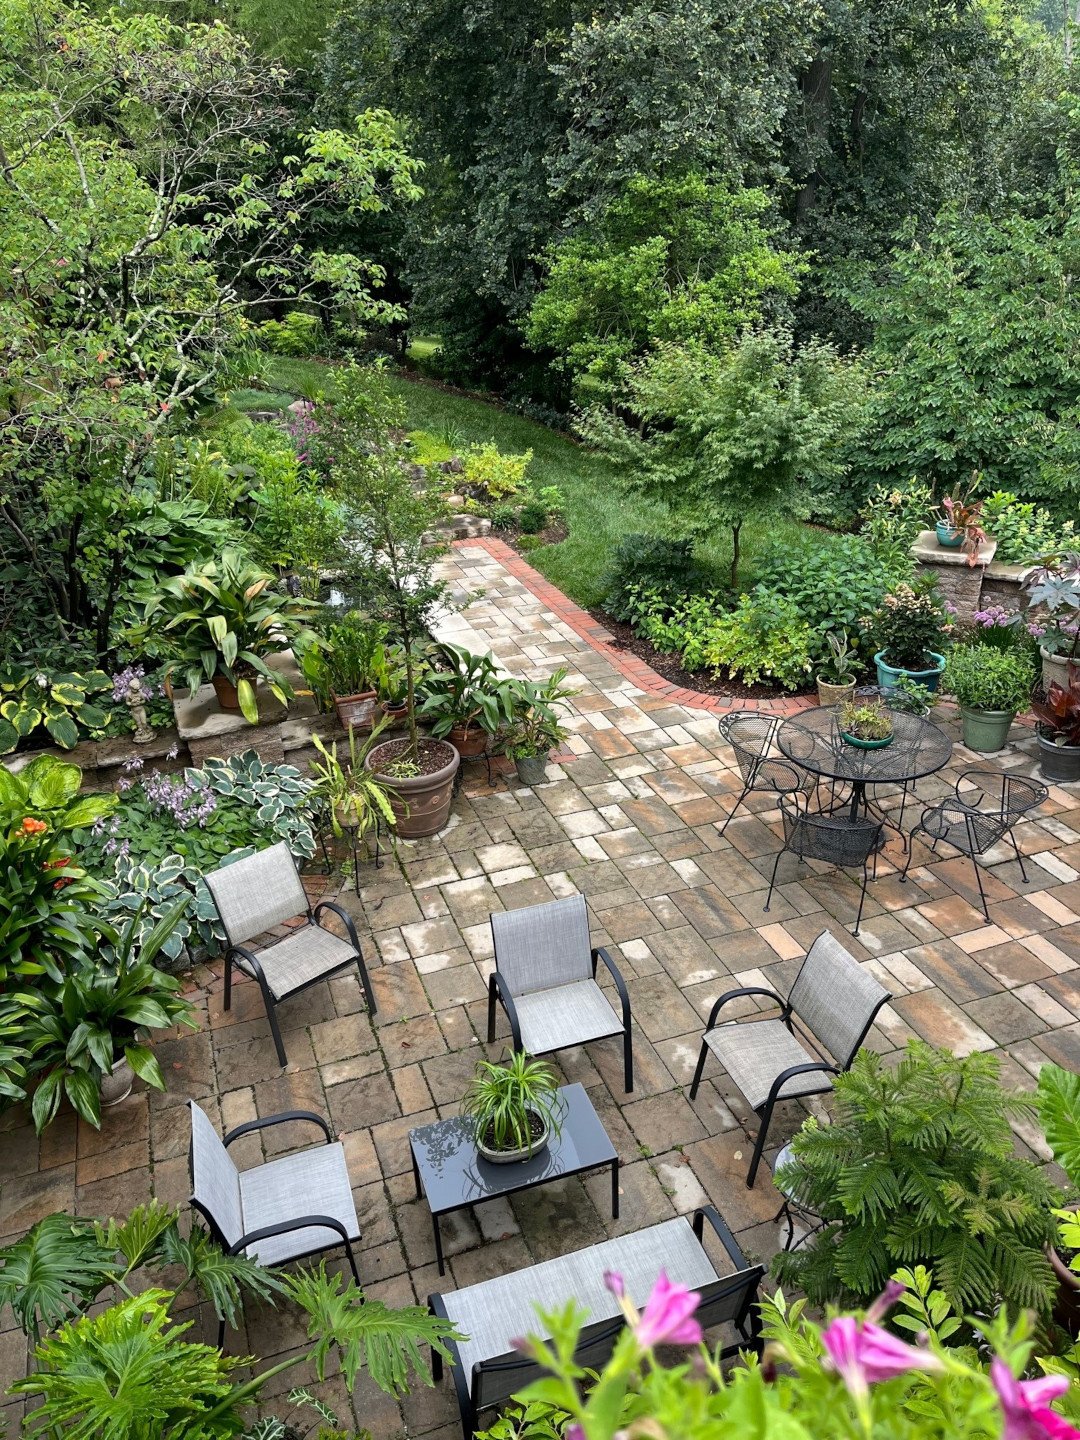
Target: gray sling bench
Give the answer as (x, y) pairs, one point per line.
(487, 1370)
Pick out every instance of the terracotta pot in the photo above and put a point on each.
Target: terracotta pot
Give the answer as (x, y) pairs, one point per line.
(226, 694)
(423, 806)
(394, 712)
(357, 711)
(829, 694)
(116, 1086)
(468, 741)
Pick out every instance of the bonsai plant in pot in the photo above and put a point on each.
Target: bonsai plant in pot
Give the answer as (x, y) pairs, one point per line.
(866, 724)
(515, 1108)
(906, 627)
(390, 522)
(992, 687)
(1057, 712)
(345, 665)
(534, 730)
(467, 702)
(220, 619)
(1053, 590)
(835, 681)
(356, 799)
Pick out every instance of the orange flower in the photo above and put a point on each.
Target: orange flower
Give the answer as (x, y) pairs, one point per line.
(30, 826)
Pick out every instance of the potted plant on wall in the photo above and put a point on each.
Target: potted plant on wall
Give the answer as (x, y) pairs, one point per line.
(906, 626)
(515, 1108)
(347, 663)
(960, 528)
(468, 702)
(534, 730)
(992, 687)
(389, 540)
(1053, 590)
(1057, 712)
(221, 618)
(835, 681)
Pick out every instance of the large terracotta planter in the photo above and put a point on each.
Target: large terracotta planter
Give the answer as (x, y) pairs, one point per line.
(468, 741)
(355, 712)
(421, 803)
(226, 694)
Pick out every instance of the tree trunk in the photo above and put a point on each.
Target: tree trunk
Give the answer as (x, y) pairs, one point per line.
(816, 86)
(735, 532)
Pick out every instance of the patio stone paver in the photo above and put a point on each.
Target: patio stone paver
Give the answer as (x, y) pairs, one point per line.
(628, 817)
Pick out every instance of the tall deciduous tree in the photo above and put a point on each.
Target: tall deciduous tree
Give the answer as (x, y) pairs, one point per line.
(718, 438)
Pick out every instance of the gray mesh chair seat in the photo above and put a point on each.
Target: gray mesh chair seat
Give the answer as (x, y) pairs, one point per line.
(834, 1000)
(493, 1313)
(752, 736)
(753, 1056)
(545, 979)
(264, 890)
(834, 838)
(296, 1205)
(983, 810)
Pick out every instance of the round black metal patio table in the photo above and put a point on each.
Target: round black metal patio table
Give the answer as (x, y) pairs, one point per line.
(813, 740)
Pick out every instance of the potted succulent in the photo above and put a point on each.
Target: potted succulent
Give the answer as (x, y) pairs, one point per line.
(836, 683)
(356, 799)
(534, 730)
(866, 724)
(960, 527)
(992, 687)
(906, 626)
(345, 665)
(515, 1108)
(1053, 588)
(221, 618)
(468, 702)
(1057, 712)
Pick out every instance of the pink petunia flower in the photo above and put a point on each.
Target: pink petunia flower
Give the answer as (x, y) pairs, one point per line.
(668, 1316)
(863, 1353)
(1026, 1406)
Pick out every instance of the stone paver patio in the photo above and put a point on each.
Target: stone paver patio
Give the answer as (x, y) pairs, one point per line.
(628, 818)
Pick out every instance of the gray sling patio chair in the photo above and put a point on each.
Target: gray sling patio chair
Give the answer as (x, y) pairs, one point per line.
(297, 1205)
(835, 1002)
(545, 977)
(263, 890)
(971, 826)
(833, 838)
(751, 736)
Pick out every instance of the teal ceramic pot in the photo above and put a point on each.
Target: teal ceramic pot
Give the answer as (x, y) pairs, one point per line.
(947, 537)
(887, 675)
(986, 730)
(865, 744)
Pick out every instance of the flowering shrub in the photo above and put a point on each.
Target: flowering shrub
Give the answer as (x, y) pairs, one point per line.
(492, 474)
(909, 624)
(849, 1378)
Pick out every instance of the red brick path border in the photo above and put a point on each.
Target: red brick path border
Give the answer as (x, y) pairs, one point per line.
(628, 664)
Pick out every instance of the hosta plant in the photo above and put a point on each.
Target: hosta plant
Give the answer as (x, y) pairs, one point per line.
(59, 701)
(223, 617)
(146, 893)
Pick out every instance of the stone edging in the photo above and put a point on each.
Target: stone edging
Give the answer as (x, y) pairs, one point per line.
(628, 664)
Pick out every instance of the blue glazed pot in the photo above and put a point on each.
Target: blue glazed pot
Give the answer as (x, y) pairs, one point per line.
(947, 537)
(887, 676)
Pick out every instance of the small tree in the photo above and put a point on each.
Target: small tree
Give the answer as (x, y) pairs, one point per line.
(390, 554)
(720, 438)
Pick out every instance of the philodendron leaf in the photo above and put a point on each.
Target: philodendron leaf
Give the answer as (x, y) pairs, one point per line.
(1059, 1114)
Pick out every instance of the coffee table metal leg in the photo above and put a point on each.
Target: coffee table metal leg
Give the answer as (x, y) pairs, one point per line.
(416, 1177)
(438, 1244)
(615, 1189)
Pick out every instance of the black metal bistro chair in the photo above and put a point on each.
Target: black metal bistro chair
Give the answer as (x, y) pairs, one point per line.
(752, 737)
(834, 838)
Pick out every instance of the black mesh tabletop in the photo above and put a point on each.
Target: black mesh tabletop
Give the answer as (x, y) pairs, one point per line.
(813, 740)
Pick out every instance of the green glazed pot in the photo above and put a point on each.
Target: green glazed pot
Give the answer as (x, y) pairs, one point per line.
(986, 730)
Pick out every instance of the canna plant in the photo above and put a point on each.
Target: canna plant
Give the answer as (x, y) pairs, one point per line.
(221, 618)
(45, 925)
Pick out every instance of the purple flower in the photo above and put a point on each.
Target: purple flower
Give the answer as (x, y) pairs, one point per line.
(862, 1353)
(134, 762)
(668, 1316)
(1026, 1408)
(614, 1282)
(121, 683)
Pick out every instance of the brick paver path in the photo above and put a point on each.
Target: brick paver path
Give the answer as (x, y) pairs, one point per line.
(629, 819)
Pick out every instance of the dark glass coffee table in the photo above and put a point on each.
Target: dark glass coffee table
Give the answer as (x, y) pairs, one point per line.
(450, 1173)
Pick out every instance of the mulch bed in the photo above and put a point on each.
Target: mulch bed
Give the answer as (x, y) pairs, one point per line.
(670, 667)
(552, 534)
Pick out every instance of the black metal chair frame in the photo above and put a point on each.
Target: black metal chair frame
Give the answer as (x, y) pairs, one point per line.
(751, 766)
(283, 1227)
(823, 823)
(994, 825)
(605, 1332)
(499, 991)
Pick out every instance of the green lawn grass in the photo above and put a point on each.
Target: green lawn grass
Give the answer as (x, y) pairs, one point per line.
(598, 512)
